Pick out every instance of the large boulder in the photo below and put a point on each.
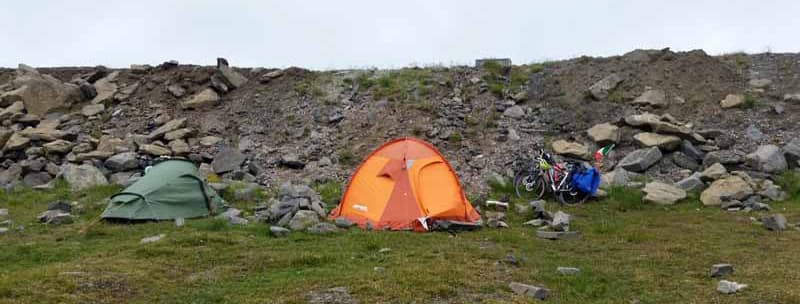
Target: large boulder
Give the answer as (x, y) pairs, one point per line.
(664, 142)
(80, 177)
(601, 89)
(227, 159)
(767, 158)
(662, 194)
(571, 149)
(604, 134)
(205, 98)
(640, 160)
(655, 98)
(41, 93)
(732, 187)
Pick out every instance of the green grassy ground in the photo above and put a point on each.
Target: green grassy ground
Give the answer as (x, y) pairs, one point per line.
(628, 251)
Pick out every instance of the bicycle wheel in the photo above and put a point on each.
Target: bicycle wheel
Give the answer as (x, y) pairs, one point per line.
(572, 196)
(529, 185)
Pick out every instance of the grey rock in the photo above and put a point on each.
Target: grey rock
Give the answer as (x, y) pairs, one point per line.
(662, 194)
(124, 179)
(729, 188)
(55, 217)
(617, 177)
(291, 161)
(34, 179)
(654, 98)
(93, 109)
(176, 90)
(303, 219)
(728, 287)
(684, 161)
(227, 159)
(692, 183)
(640, 160)
(344, 223)
(81, 177)
(278, 231)
(535, 223)
(601, 89)
(571, 149)
(561, 221)
(169, 126)
(767, 158)
(753, 133)
(714, 172)
(535, 292)
(725, 157)
(604, 134)
(232, 77)
(41, 93)
(152, 239)
(775, 222)
(336, 295)
(558, 235)
(791, 152)
(772, 192)
(690, 150)
(721, 270)
(205, 98)
(568, 270)
(732, 101)
(515, 112)
(323, 228)
(122, 162)
(11, 176)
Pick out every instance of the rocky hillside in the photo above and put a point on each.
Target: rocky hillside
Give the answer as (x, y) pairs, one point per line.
(682, 111)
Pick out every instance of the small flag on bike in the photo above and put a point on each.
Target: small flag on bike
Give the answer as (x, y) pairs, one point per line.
(599, 154)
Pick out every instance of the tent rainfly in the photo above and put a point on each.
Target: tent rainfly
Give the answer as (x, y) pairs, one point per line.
(405, 184)
(170, 189)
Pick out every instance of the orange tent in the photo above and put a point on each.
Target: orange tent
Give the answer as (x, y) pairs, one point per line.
(404, 184)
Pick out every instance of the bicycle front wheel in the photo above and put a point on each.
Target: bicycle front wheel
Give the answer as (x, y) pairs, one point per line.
(529, 186)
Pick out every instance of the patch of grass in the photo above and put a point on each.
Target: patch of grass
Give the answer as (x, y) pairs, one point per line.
(789, 181)
(750, 101)
(649, 253)
(346, 157)
(616, 96)
(410, 84)
(330, 192)
(455, 138)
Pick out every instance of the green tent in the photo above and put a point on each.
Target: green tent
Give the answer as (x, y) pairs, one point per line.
(171, 189)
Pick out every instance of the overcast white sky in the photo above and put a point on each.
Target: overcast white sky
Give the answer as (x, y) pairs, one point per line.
(326, 34)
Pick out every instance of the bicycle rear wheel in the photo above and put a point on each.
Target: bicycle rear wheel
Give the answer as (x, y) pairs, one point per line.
(572, 196)
(529, 185)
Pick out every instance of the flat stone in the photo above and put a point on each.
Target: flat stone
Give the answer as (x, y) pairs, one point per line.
(714, 172)
(655, 98)
(728, 287)
(664, 142)
(169, 126)
(558, 235)
(152, 239)
(93, 109)
(692, 183)
(571, 149)
(568, 270)
(227, 159)
(604, 134)
(279, 231)
(205, 98)
(601, 89)
(721, 270)
(535, 292)
(662, 194)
